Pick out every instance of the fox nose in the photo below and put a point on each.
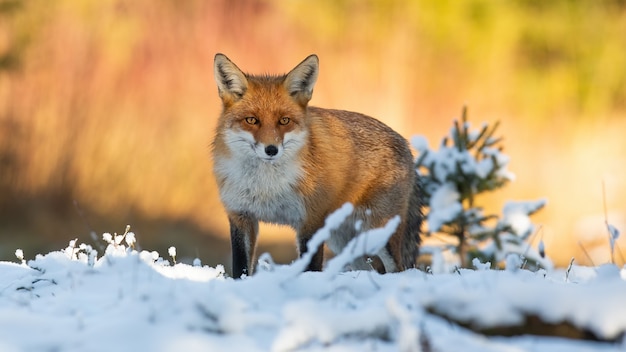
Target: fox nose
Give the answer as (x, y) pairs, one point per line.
(271, 150)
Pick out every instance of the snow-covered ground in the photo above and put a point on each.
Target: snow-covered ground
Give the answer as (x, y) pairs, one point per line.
(125, 300)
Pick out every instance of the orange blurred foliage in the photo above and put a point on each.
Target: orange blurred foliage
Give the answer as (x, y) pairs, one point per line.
(111, 104)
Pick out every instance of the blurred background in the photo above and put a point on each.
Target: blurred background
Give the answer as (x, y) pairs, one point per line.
(107, 107)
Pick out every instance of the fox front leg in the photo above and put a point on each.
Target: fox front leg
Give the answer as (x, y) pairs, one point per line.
(317, 260)
(243, 233)
(304, 235)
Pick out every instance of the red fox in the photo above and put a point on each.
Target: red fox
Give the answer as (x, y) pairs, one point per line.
(277, 160)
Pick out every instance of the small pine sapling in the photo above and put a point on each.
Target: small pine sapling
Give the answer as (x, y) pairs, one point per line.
(469, 163)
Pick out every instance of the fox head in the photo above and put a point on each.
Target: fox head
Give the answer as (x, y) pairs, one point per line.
(264, 116)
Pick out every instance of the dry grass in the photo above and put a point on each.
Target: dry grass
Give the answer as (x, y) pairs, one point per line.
(112, 103)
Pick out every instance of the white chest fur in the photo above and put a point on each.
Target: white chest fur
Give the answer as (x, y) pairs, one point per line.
(263, 189)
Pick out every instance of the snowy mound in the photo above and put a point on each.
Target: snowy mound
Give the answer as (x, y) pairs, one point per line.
(135, 301)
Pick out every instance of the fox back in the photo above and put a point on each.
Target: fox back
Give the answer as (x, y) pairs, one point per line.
(280, 161)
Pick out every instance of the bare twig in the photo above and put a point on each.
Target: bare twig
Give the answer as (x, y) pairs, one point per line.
(586, 253)
(569, 269)
(606, 222)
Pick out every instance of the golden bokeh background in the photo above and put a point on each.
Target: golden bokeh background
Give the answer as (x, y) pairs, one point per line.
(107, 107)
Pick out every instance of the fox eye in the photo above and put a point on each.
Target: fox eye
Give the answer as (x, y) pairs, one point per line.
(284, 120)
(252, 120)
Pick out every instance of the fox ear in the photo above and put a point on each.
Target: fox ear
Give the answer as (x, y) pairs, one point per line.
(231, 81)
(300, 81)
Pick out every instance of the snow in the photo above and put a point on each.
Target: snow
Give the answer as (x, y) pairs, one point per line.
(368, 243)
(613, 231)
(517, 215)
(613, 236)
(444, 161)
(130, 239)
(444, 206)
(127, 300)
